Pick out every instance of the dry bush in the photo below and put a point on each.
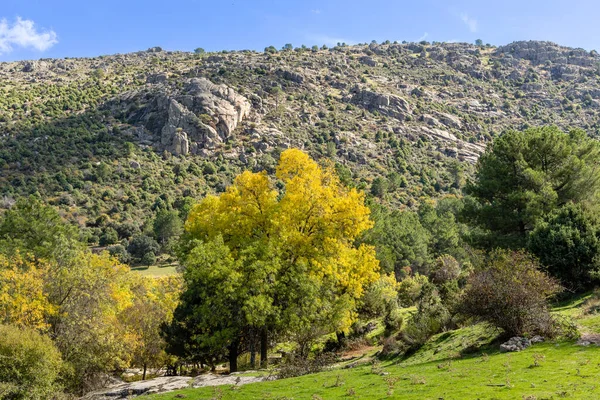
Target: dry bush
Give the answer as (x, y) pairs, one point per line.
(512, 293)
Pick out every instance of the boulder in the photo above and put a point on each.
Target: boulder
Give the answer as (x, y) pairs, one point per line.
(369, 61)
(387, 104)
(290, 75)
(200, 115)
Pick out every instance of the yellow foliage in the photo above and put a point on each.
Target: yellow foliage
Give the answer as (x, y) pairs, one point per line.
(313, 222)
(22, 299)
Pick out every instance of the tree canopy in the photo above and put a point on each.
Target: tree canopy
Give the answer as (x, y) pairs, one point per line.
(525, 175)
(276, 261)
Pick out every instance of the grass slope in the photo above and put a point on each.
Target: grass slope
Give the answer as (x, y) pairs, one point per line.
(447, 367)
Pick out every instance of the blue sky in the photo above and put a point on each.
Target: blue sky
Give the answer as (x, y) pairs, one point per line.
(32, 29)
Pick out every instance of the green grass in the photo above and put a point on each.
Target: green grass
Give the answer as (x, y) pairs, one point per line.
(565, 371)
(460, 364)
(157, 270)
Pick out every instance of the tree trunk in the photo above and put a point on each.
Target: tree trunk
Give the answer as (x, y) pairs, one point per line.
(264, 362)
(233, 356)
(252, 355)
(144, 373)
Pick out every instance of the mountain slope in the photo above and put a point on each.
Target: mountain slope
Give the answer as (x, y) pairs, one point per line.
(112, 139)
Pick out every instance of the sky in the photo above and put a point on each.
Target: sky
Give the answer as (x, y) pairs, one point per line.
(33, 29)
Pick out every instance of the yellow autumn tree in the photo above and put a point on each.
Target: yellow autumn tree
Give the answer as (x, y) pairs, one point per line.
(23, 301)
(294, 248)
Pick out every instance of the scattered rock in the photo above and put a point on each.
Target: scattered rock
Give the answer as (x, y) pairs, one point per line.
(515, 344)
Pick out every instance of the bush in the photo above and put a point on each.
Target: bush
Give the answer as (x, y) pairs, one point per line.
(120, 252)
(445, 269)
(431, 317)
(108, 237)
(512, 293)
(29, 364)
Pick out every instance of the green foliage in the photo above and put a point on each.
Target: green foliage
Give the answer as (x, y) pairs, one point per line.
(568, 245)
(30, 365)
(400, 240)
(141, 245)
(109, 236)
(30, 226)
(525, 175)
(167, 227)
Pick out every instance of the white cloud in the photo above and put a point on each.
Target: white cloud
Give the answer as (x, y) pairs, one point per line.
(316, 11)
(23, 33)
(423, 37)
(470, 22)
(328, 40)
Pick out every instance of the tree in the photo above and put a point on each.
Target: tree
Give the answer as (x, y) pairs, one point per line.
(93, 297)
(199, 50)
(400, 240)
(479, 43)
(109, 236)
(288, 46)
(154, 301)
(32, 227)
(511, 293)
(141, 245)
(525, 175)
(23, 301)
(568, 245)
(167, 227)
(292, 253)
(379, 187)
(30, 364)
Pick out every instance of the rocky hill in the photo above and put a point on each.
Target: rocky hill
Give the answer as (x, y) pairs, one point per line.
(112, 138)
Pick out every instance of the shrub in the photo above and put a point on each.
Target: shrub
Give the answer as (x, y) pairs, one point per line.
(445, 269)
(29, 364)
(431, 317)
(108, 237)
(511, 293)
(120, 252)
(410, 288)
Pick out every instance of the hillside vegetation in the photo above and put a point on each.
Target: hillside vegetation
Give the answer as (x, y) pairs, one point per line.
(375, 221)
(111, 140)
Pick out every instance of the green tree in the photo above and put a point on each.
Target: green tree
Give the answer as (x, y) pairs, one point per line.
(400, 239)
(141, 245)
(379, 187)
(568, 245)
(109, 236)
(525, 175)
(32, 227)
(199, 50)
(167, 227)
(30, 365)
